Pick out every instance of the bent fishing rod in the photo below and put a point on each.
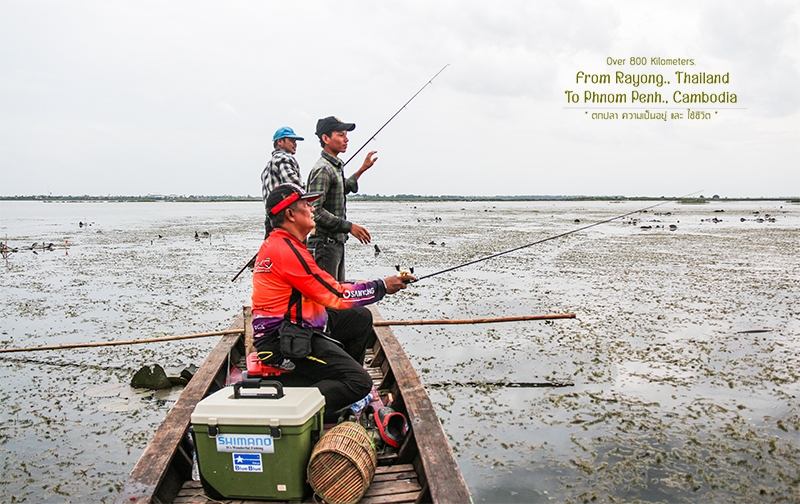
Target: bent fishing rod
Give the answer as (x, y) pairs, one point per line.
(252, 261)
(560, 235)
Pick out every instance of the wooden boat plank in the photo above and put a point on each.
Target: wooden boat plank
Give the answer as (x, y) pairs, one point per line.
(444, 479)
(386, 491)
(378, 359)
(387, 458)
(390, 499)
(395, 476)
(247, 314)
(191, 490)
(155, 463)
(252, 502)
(396, 468)
(392, 487)
(193, 499)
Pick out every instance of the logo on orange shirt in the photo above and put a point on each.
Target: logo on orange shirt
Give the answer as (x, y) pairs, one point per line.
(264, 266)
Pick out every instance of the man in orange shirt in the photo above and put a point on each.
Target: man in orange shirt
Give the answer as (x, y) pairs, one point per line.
(290, 288)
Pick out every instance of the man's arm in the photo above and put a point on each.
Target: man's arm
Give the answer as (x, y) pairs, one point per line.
(303, 274)
(319, 180)
(351, 182)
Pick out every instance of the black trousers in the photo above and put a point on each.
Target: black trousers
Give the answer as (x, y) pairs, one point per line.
(337, 372)
(329, 255)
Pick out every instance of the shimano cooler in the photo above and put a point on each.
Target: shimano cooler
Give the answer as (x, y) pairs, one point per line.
(253, 440)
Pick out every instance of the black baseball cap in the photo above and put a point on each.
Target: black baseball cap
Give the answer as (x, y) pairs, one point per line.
(284, 195)
(327, 125)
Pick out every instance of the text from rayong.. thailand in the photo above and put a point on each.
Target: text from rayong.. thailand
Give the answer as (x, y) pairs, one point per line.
(641, 88)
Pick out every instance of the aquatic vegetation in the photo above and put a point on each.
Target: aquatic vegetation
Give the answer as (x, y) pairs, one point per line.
(672, 401)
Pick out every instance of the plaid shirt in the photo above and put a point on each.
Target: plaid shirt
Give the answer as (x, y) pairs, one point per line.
(280, 169)
(330, 210)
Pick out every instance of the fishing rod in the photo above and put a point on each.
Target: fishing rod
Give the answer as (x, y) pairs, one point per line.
(481, 259)
(252, 261)
(395, 114)
(224, 332)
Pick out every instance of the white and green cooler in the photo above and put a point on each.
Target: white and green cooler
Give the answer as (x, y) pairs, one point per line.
(254, 439)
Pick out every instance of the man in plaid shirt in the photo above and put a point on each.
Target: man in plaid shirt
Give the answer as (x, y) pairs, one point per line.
(330, 210)
(282, 168)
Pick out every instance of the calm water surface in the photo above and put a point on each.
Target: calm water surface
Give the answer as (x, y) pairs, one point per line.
(671, 399)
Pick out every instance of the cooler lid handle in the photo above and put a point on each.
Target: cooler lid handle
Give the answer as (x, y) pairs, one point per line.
(257, 383)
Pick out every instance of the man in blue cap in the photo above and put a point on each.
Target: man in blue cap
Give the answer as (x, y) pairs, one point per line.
(282, 167)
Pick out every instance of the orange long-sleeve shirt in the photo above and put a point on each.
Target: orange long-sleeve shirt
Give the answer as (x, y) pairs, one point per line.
(283, 266)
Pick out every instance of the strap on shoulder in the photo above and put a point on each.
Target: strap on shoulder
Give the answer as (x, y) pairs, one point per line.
(296, 299)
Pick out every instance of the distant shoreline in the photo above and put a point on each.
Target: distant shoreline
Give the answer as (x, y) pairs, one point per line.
(379, 197)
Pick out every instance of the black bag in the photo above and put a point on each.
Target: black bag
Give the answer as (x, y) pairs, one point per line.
(295, 340)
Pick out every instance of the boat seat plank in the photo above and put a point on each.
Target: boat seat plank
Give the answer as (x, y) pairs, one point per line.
(396, 468)
(188, 490)
(389, 499)
(194, 499)
(202, 499)
(392, 487)
(395, 476)
(253, 502)
(386, 458)
(392, 484)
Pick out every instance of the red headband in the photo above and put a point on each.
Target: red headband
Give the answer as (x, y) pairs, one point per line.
(285, 202)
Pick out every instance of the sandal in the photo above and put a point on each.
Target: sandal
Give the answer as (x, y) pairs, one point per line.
(392, 425)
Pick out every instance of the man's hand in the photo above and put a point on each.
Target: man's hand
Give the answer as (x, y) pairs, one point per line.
(396, 283)
(361, 233)
(367, 164)
(369, 161)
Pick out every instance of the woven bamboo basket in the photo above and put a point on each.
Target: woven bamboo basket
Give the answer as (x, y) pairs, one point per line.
(342, 464)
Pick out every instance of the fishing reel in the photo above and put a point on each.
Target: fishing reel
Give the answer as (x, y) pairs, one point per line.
(406, 273)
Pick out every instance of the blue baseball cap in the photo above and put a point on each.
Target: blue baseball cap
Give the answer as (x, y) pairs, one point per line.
(285, 132)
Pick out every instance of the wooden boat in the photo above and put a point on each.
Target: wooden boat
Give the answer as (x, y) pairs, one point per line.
(422, 470)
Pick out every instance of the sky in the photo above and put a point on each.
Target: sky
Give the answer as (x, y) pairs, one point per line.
(182, 97)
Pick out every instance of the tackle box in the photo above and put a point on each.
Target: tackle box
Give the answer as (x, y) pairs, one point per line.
(253, 439)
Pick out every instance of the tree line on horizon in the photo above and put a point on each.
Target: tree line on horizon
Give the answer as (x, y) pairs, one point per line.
(380, 197)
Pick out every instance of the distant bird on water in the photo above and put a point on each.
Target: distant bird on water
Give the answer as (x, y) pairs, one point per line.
(377, 250)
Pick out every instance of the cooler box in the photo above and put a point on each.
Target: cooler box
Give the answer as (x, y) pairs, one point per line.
(253, 440)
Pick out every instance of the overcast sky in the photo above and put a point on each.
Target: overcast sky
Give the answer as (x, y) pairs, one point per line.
(183, 97)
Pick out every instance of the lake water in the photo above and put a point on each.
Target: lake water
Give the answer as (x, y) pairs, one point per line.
(672, 398)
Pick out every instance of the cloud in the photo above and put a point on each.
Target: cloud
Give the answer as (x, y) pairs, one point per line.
(227, 108)
(184, 96)
(759, 41)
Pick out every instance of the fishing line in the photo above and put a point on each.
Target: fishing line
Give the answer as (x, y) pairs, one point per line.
(549, 238)
(395, 114)
(387, 122)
